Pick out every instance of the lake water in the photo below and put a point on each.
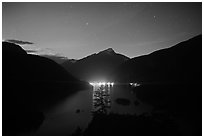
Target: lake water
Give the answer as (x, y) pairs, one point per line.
(76, 111)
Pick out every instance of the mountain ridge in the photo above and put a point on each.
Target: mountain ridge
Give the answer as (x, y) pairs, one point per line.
(174, 64)
(95, 66)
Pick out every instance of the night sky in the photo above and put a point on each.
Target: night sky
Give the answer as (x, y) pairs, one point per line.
(76, 30)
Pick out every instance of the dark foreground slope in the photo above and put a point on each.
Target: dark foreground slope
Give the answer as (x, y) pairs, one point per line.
(95, 67)
(30, 84)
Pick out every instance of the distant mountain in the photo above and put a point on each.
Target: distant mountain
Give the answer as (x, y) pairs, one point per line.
(95, 67)
(59, 59)
(177, 64)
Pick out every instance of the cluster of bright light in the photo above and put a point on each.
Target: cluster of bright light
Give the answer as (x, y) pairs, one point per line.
(134, 84)
(101, 83)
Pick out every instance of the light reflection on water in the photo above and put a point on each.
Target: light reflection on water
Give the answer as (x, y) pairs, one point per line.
(101, 98)
(77, 110)
(105, 100)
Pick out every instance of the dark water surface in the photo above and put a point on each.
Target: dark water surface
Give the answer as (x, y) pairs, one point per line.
(77, 111)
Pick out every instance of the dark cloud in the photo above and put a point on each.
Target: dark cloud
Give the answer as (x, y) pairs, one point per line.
(33, 49)
(20, 42)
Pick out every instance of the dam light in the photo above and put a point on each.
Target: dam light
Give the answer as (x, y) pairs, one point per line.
(91, 83)
(101, 83)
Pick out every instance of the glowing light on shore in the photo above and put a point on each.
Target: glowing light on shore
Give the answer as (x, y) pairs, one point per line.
(134, 84)
(101, 83)
(91, 83)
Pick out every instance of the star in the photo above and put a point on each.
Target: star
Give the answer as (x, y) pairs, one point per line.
(87, 23)
(154, 16)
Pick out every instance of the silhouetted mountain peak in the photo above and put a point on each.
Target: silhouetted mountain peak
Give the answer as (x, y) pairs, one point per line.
(96, 66)
(108, 51)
